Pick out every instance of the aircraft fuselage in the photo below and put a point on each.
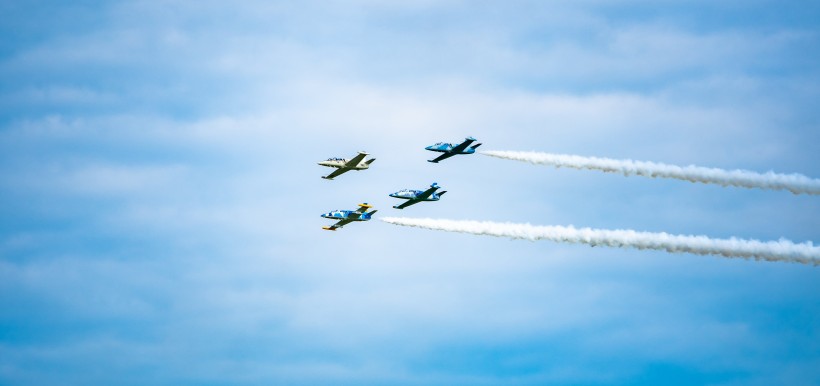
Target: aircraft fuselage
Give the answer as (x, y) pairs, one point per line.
(409, 194)
(341, 162)
(448, 148)
(346, 215)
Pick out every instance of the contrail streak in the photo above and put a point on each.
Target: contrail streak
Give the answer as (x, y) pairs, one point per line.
(781, 250)
(795, 183)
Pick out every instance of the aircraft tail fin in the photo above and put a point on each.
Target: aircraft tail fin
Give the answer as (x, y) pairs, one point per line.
(475, 146)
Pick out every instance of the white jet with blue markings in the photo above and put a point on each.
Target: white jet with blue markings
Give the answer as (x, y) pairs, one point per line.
(348, 216)
(344, 165)
(417, 196)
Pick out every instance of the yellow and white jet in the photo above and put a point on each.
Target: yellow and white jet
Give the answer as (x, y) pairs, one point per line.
(343, 165)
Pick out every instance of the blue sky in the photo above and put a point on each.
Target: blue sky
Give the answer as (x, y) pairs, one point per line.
(160, 195)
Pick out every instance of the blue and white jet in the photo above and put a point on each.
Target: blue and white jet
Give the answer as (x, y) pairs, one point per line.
(347, 216)
(343, 165)
(450, 150)
(417, 196)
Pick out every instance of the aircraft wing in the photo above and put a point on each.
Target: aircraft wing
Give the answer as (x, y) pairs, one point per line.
(441, 157)
(355, 160)
(406, 204)
(336, 173)
(426, 194)
(460, 147)
(338, 224)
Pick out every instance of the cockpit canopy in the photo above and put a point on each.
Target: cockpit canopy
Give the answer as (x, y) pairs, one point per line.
(411, 191)
(335, 159)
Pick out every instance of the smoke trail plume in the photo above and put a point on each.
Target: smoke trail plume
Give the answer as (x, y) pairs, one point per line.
(781, 250)
(795, 183)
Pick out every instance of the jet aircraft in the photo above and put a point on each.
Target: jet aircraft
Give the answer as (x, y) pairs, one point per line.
(417, 196)
(343, 165)
(450, 150)
(347, 216)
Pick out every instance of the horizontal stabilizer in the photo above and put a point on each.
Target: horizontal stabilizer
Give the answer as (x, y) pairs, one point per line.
(370, 161)
(441, 193)
(329, 228)
(475, 146)
(371, 213)
(362, 209)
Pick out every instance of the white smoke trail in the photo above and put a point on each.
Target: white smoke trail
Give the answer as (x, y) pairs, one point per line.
(781, 250)
(795, 183)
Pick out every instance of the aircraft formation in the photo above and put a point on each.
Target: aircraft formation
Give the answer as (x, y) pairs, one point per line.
(411, 196)
(782, 250)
